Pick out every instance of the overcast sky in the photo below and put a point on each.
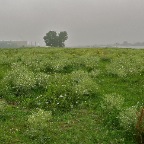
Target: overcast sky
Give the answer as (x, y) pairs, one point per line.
(87, 22)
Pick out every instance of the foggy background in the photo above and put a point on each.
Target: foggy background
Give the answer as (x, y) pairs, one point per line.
(87, 22)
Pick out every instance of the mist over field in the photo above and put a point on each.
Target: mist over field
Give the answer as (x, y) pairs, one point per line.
(87, 22)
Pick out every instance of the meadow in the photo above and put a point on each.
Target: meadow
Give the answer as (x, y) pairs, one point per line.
(72, 96)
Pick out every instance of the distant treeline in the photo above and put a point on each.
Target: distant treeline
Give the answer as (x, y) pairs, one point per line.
(125, 43)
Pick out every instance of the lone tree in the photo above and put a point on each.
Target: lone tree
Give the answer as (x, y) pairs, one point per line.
(53, 39)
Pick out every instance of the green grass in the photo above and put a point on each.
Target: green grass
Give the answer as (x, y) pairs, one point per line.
(72, 96)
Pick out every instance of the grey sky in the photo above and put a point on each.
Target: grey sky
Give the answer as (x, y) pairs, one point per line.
(86, 21)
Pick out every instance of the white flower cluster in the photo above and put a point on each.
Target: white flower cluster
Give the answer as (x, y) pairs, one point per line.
(128, 118)
(123, 66)
(39, 119)
(83, 83)
(90, 62)
(21, 78)
(42, 80)
(3, 105)
(112, 101)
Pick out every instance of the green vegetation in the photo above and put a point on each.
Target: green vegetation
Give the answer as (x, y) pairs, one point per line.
(53, 39)
(72, 96)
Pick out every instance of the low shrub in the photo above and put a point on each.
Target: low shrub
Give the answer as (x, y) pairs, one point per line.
(111, 106)
(3, 105)
(65, 91)
(123, 66)
(39, 119)
(38, 126)
(112, 101)
(19, 80)
(42, 80)
(83, 83)
(128, 118)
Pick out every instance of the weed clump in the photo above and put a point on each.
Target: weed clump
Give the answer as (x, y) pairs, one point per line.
(111, 106)
(128, 118)
(123, 66)
(38, 125)
(112, 101)
(3, 105)
(19, 80)
(39, 119)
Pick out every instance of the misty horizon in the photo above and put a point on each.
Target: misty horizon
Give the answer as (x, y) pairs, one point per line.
(87, 22)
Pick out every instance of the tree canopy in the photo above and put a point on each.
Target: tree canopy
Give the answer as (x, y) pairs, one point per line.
(53, 39)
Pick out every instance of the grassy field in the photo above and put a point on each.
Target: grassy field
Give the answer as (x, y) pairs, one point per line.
(71, 96)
